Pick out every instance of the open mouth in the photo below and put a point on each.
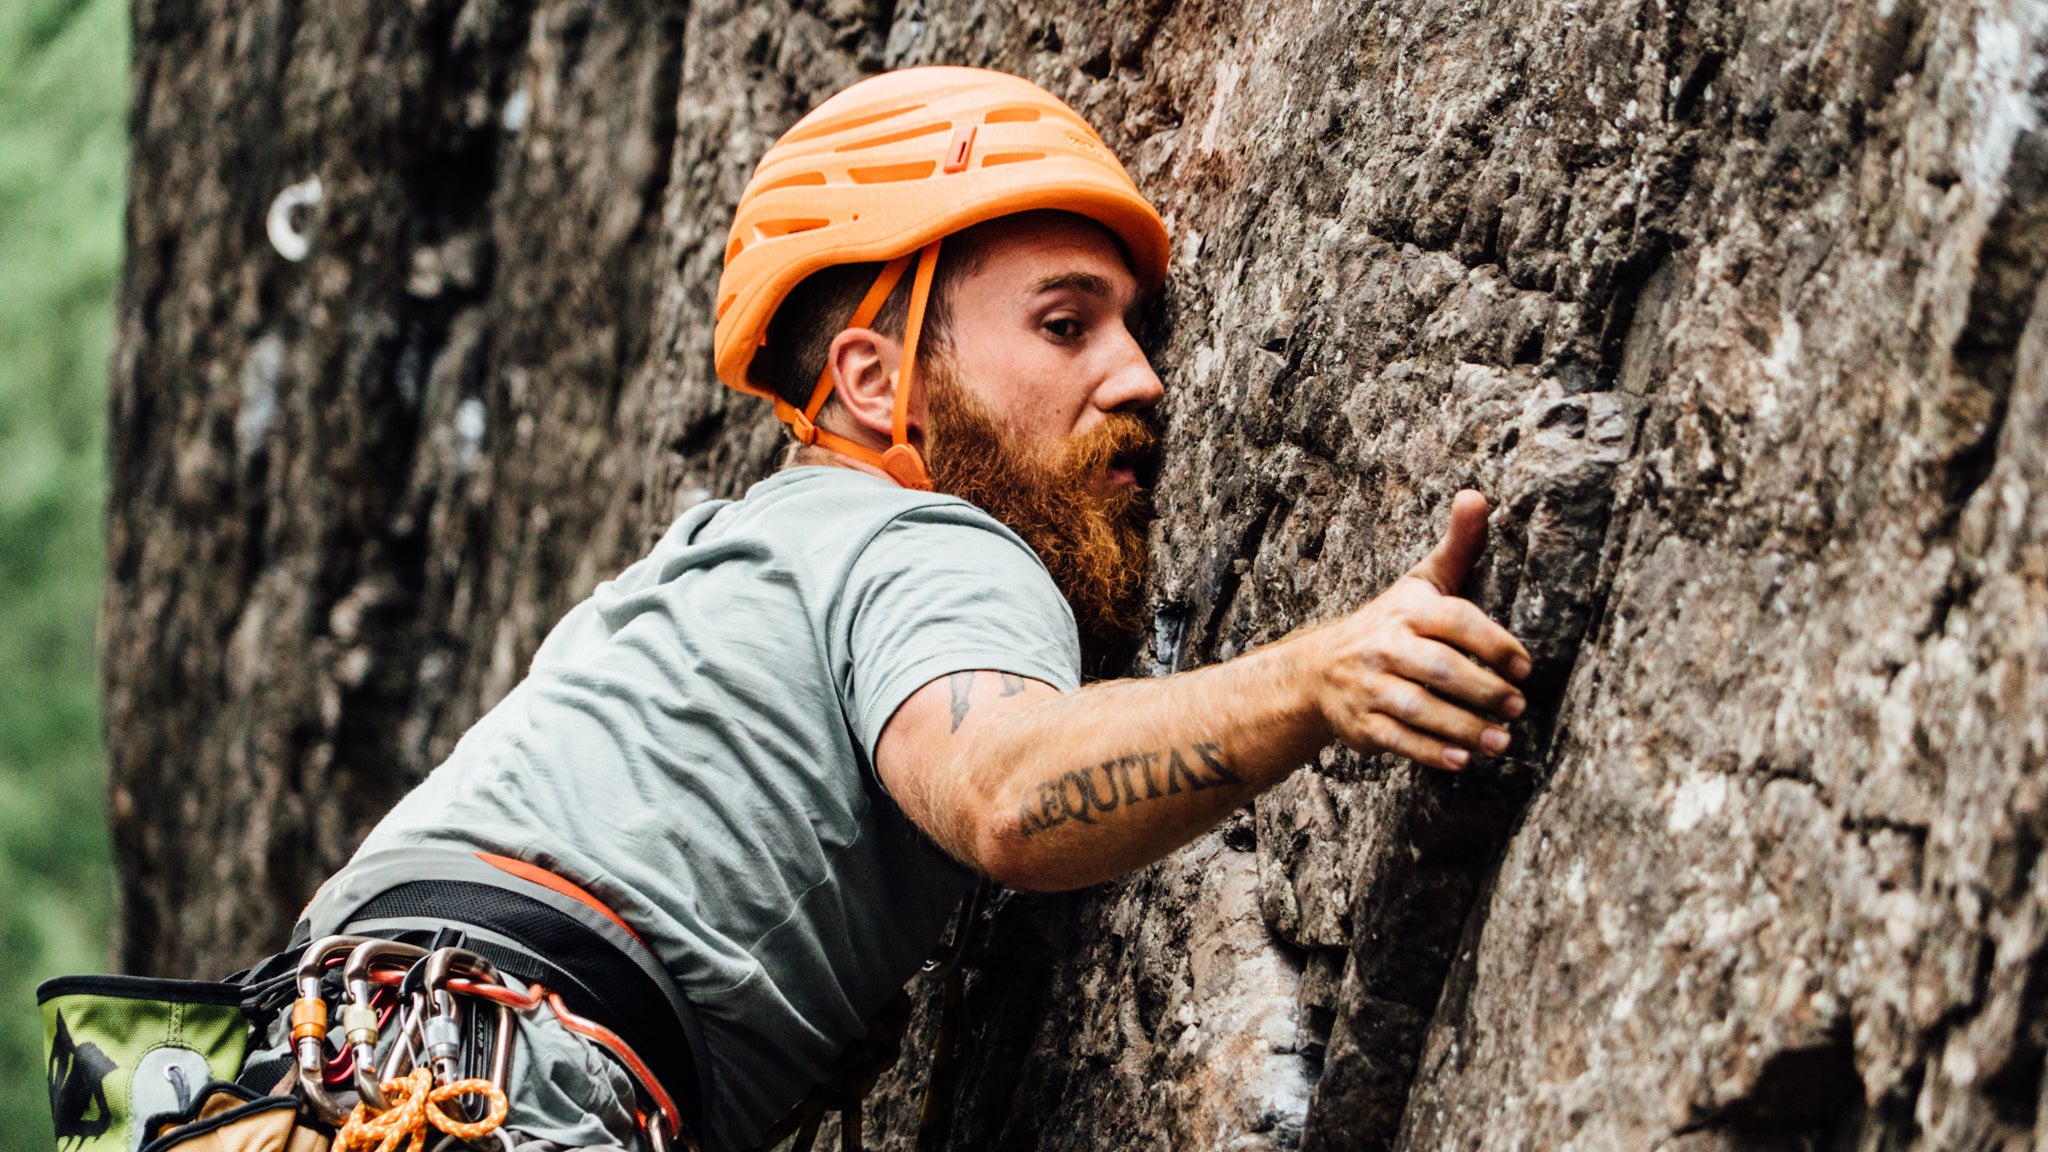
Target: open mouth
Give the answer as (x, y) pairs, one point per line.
(1134, 467)
(1137, 465)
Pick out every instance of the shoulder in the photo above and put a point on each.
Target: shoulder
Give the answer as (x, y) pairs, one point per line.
(883, 521)
(944, 533)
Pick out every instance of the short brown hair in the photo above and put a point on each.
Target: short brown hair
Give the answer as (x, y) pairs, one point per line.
(815, 311)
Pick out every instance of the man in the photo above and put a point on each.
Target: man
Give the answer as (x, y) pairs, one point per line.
(764, 763)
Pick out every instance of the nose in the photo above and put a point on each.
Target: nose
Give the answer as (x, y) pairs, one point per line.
(1131, 385)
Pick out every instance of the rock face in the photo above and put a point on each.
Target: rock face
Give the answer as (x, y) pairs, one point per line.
(1734, 308)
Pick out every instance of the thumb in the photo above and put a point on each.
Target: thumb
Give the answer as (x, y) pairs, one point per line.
(1451, 560)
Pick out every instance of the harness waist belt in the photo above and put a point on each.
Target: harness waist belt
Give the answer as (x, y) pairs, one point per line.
(549, 947)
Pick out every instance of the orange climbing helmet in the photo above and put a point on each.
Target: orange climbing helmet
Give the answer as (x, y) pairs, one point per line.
(883, 172)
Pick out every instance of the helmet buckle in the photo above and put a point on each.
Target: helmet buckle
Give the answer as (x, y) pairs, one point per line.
(806, 432)
(906, 468)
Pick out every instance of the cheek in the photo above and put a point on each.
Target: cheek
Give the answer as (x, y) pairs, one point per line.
(1031, 385)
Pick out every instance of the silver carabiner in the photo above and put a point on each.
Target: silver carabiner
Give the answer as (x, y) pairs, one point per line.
(399, 1059)
(441, 1029)
(359, 1019)
(309, 1026)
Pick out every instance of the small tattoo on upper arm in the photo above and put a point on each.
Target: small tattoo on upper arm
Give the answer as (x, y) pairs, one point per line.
(962, 686)
(1012, 683)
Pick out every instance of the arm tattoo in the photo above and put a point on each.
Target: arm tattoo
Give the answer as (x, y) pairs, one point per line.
(962, 684)
(1012, 683)
(1083, 795)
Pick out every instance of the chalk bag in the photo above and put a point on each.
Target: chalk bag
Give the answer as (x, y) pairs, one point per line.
(123, 1049)
(231, 1118)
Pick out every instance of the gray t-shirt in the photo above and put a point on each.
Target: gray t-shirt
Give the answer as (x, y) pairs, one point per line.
(695, 745)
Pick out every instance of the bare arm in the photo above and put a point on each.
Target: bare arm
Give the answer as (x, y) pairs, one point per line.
(1047, 790)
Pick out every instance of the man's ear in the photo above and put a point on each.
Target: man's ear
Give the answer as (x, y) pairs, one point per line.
(863, 364)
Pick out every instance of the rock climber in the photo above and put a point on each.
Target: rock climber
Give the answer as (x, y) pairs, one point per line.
(737, 797)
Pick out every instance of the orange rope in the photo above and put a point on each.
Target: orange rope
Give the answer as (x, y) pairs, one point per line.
(416, 1107)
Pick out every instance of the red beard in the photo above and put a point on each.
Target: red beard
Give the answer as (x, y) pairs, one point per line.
(1094, 545)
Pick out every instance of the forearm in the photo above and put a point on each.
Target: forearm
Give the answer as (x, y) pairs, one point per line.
(1041, 790)
(1109, 778)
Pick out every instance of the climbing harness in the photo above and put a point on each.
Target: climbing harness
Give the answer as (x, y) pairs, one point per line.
(405, 1045)
(434, 994)
(442, 1020)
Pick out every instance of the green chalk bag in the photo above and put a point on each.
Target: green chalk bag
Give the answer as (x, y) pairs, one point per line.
(124, 1048)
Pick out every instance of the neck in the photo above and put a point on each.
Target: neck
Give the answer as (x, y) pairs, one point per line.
(802, 454)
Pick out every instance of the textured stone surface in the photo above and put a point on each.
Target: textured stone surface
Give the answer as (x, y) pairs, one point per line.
(1733, 308)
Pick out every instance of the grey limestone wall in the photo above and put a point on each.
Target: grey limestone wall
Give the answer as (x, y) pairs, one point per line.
(1733, 308)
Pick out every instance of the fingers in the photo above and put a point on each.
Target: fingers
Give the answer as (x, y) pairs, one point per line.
(1455, 676)
(1397, 715)
(1462, 625)
(1383, 733)
(1434, 716)
(1451, 560)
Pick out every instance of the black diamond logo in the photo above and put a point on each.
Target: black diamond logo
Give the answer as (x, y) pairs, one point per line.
(78, 1087)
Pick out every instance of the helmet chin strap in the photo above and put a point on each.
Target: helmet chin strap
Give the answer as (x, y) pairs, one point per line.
(901, 462)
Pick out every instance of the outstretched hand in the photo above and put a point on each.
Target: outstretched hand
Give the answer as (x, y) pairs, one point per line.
(1419, 671)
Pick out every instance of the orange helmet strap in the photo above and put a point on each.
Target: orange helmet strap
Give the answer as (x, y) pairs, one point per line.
(864, 315)
(901, 462)
(913, 328)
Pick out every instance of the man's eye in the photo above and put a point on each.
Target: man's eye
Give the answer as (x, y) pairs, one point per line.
(1064, 328)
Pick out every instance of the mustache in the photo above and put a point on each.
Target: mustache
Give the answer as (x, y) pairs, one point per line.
(1123, 439)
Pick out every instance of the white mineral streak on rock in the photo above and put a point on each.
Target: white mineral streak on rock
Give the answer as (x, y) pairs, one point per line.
(1246, 1079)
(517, 106)
(470, 421)
(1228, 74)
(2002, 77)
(260, 372)
(1698, 798)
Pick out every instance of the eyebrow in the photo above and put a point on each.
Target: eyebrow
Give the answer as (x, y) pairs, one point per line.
(1087, 282)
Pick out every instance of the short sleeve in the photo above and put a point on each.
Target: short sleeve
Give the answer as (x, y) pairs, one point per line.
(945, 588)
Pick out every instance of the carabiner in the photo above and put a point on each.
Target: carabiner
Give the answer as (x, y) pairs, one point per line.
(359, 1019)
(309, 1025)
(440, 1028)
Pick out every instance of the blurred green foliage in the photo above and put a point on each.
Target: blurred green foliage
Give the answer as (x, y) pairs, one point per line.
(63, 149)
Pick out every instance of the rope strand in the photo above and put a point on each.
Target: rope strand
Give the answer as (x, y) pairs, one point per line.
(415, 1107)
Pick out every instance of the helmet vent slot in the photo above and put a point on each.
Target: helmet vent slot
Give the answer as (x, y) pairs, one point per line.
(891, 173)
(800, 180)
(995, 158)
(1014, 115)
(830, 127)
(893, 137)
(770, 229)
